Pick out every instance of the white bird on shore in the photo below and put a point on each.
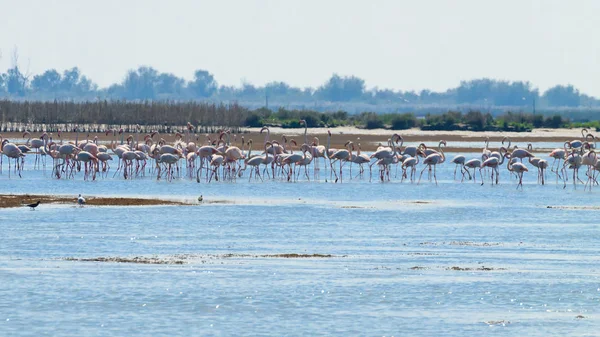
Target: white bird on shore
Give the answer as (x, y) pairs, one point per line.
(81, 200)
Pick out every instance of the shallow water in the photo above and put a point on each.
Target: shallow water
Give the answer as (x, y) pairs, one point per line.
(407, 259)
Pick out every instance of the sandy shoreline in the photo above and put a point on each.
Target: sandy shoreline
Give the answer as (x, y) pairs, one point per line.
(369, 139)
(17, 200)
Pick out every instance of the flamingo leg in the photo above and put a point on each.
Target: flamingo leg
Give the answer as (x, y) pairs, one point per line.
(421, 175)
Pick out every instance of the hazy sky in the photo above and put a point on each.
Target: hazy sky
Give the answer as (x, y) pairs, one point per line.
(391, 44)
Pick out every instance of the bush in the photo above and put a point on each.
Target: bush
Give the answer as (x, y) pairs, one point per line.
(311, 120)
(253, 121)
(404, 121)
(554, 122)
(374, 123)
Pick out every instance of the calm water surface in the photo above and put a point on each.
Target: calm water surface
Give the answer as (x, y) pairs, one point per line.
(407, 259)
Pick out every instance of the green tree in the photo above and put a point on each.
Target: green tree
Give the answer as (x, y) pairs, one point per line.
(563, 96)
(342, 88)
(203, 85)
(16, 82)
(49, 81)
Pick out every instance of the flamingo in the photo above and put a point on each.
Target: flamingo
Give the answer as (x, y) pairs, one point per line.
(104, 157)
(411, 163)
(433, 160)
(518, 168)
(486, 153)
(12, 152)
(36, 144)
(574, 162)
(290, 159)
(473, 164)
(89, 161)
(205, 152)
(339, 155)
(254, 161)
(168, 159)
(575, 144)
(306, 159)
(521, 154)
(360, 159)
(409, 150)
(494, 163)
(557, 154)
(318, 151)
(459, 160)
(427, 152)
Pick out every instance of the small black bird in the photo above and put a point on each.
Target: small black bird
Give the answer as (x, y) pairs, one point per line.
(33, 206)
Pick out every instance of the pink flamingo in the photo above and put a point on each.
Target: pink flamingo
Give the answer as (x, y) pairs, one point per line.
(104, 157)
(409, 150)
(518, 168)
(411, 163)
(254, 161)
(459, 160)
(473, 164)
(90, 161)
(494, 163)
(305, 161)
(339, 155)
(12, 152)
(37, 145)
(433, 160)
(361, 159)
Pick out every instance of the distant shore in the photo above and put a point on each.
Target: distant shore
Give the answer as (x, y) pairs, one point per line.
(369, 139)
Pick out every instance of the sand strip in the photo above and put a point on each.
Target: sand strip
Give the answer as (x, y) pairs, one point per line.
(16, 200)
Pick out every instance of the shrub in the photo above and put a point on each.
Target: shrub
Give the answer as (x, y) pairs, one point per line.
(404, 121)
(253, 120)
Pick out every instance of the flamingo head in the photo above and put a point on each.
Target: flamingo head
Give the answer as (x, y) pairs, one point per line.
(120, 130)
(303, 121)
(26, 133)
(329, 132)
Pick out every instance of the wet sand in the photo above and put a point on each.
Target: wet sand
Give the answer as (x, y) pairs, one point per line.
(368, 139)
(10, 200)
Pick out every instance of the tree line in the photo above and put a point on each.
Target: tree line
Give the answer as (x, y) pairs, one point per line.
(147, 83)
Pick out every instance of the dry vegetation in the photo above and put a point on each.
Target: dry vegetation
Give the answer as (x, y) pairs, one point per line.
(101, 115)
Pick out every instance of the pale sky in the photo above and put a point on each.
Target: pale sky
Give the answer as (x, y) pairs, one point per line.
(397, 44)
